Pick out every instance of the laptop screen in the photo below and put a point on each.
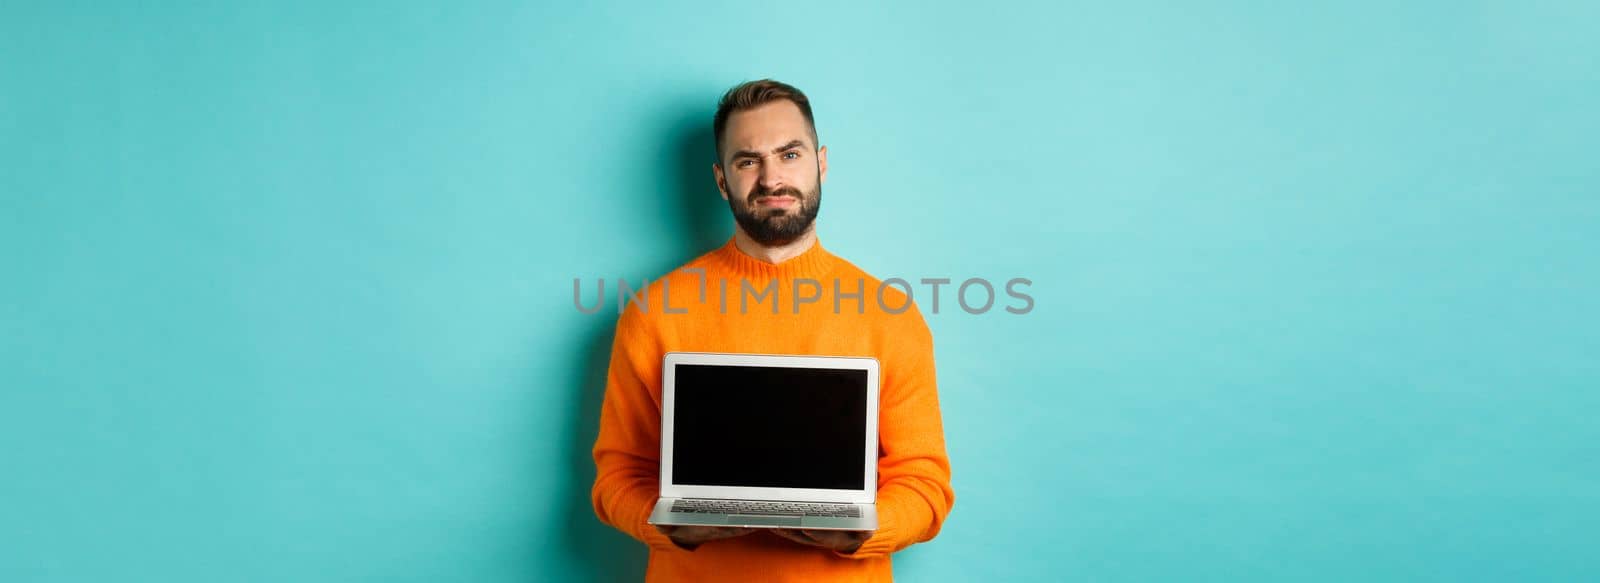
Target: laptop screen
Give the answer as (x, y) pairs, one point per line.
(774, 427)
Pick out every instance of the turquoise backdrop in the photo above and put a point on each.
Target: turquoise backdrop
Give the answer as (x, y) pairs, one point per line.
(286, 287)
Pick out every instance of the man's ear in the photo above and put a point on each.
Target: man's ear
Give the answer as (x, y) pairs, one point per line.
(822, 165)
(722, 184)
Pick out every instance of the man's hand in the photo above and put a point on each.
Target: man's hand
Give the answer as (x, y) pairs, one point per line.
(690, 537)
(844, 541)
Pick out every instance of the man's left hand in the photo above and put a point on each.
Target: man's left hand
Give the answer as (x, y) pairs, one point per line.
(844, 541)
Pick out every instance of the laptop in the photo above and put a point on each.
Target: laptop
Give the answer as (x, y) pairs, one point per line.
(768, 441)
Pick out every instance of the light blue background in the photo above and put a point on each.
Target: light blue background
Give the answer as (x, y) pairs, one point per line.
(287, 287)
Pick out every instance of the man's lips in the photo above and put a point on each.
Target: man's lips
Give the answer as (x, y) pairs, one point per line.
(775, 201)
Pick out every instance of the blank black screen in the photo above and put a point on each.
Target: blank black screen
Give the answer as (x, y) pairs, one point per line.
(769, 427)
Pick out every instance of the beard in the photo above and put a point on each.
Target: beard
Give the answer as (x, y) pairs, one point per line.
(773, 227)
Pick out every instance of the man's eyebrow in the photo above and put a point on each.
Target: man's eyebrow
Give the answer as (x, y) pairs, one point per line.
(754, 154)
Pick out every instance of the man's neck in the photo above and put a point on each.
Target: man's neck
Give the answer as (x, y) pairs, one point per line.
(777, 254)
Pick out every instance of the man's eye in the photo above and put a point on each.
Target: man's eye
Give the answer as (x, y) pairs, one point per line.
(744, 163)
(791, 155)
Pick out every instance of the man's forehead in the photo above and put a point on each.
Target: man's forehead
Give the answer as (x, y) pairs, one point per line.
(769, 126)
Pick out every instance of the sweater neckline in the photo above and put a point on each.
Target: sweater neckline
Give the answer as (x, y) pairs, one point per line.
(813, 263)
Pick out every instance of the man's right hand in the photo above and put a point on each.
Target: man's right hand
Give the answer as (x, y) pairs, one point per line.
(690, 537)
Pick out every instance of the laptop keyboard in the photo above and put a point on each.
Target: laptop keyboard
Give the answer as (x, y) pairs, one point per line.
(766, 508)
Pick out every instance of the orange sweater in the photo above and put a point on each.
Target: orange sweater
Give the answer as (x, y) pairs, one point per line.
(914, 492)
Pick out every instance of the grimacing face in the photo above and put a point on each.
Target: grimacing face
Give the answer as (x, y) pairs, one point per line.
(771, 172)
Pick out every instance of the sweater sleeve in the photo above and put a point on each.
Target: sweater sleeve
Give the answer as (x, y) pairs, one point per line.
(914, 493)
(627, 452)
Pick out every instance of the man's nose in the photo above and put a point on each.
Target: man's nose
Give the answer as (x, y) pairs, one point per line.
(770, 178)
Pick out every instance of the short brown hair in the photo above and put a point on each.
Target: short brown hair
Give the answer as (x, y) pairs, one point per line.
(753, 94)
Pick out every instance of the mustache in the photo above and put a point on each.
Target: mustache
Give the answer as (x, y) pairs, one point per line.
(758, 192)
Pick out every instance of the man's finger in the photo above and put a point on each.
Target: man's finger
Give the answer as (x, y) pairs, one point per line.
(826, 534)
(794, 535)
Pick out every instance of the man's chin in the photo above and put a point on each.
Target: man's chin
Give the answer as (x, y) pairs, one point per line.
(785, 227)
(775, 237)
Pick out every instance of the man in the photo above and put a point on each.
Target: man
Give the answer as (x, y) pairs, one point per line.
(770, 170)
